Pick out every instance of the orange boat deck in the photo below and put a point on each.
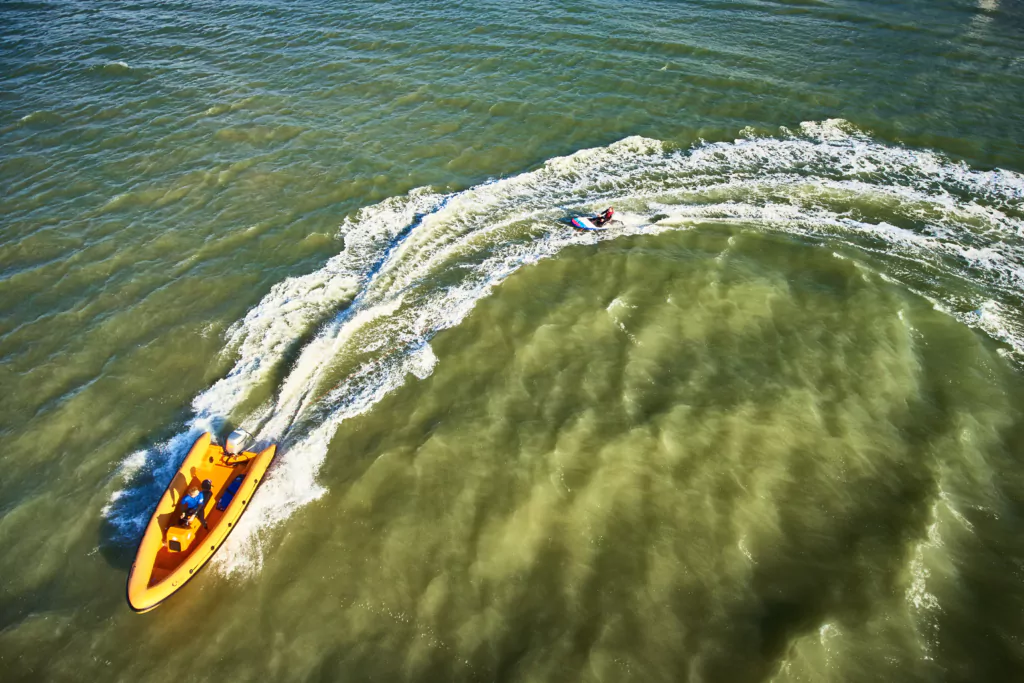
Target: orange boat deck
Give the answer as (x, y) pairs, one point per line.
(221, 470)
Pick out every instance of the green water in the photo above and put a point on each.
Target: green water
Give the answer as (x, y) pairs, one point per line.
(766, 428)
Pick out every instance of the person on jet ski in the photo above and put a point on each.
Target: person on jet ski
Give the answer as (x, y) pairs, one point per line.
(604, 217)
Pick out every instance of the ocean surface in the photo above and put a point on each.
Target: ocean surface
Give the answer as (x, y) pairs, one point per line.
(768, 427)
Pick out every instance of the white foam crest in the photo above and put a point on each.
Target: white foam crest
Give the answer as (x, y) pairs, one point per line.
(415, 265)
(835, 149)
(295, 394)
(292, 481)
(998, 321)
(286, 314)
(128, 509)
(924, 604)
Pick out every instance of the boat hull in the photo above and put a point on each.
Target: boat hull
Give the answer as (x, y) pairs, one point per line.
(171, 553)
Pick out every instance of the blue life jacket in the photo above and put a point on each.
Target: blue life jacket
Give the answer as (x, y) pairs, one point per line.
(192, 504)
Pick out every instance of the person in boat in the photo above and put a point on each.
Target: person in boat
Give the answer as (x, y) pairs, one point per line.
(194, 504)
(603, 218)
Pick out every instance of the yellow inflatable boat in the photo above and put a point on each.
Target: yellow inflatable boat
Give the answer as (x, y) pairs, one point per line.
(173, 549)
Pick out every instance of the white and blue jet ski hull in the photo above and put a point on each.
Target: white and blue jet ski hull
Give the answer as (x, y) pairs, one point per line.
(584, 223)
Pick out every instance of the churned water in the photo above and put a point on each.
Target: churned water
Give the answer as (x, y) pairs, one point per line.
(767, 427)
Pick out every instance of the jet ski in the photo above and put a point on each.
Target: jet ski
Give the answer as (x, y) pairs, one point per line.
(591, 223)
(585, 223)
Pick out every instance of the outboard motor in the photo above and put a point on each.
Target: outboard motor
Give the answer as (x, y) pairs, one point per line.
(238, 441)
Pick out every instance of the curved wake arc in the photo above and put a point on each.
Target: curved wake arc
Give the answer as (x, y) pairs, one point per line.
(415, 265)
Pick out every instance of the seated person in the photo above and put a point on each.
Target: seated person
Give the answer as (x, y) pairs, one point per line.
(603, 218)
(194, 504)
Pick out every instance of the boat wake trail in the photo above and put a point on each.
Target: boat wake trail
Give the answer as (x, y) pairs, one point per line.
(415, 265)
